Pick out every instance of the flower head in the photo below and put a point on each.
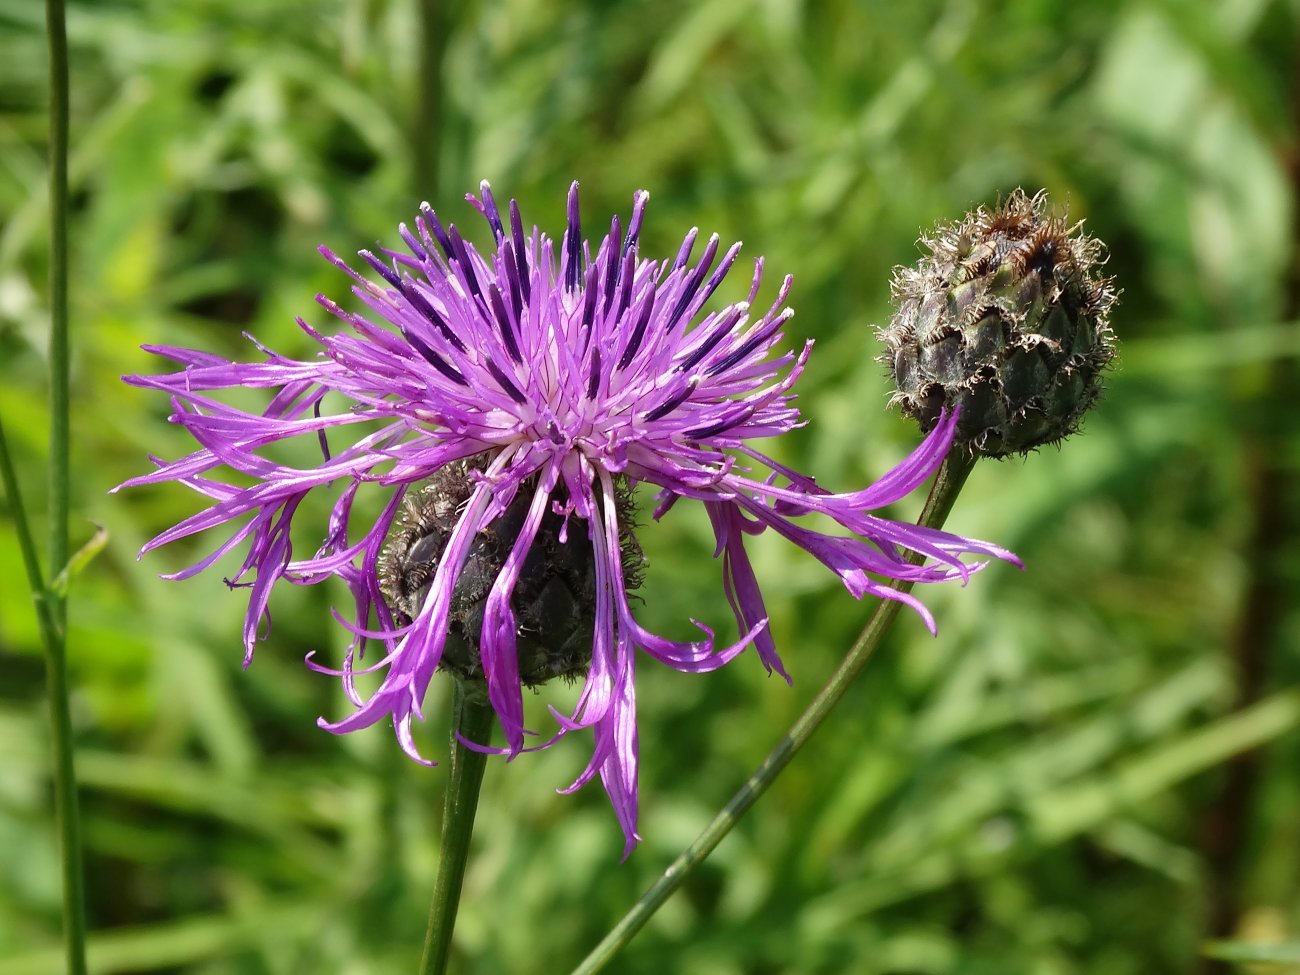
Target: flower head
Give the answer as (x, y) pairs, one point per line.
(1007, 319)
(545, 377)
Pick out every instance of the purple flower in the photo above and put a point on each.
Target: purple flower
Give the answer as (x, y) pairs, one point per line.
(562, 372)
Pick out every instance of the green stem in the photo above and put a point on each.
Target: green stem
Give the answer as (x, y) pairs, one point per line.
(472, 721)
(426, 134)
(59, 400)
(947, 485)
(51, 606)
(65, 782)
(27, 546)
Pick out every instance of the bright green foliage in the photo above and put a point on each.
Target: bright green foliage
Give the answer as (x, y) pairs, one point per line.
(1096, 757)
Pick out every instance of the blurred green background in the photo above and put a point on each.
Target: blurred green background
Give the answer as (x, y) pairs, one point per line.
(1093, 769)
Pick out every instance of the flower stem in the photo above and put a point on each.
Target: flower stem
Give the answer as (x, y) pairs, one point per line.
(27, 545)
(52, 606)
(426, 133)
(947, 485)
(65, 783)
(59, 406)
(471, 721)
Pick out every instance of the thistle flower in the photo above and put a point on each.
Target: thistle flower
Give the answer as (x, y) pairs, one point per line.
(513, 397)
(1008, 319)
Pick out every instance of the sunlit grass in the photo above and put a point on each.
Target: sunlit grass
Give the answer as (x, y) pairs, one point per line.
(1037, 790)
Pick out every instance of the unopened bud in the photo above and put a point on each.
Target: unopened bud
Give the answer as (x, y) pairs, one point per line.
(1006, 318)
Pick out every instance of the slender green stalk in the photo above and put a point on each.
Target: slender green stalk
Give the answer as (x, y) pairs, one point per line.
(947, 484)
(472, 721)
(65, 787)
(27, 546)
(59, 404)
(52, 604)
(426, 134)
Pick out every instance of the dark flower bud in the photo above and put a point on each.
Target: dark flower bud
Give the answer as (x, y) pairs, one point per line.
(1007, 318)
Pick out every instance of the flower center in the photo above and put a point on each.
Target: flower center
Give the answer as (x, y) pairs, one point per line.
(554, 600)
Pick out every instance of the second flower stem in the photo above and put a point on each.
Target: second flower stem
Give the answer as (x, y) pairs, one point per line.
(947, 485)
(471, 721)
(51, 603)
